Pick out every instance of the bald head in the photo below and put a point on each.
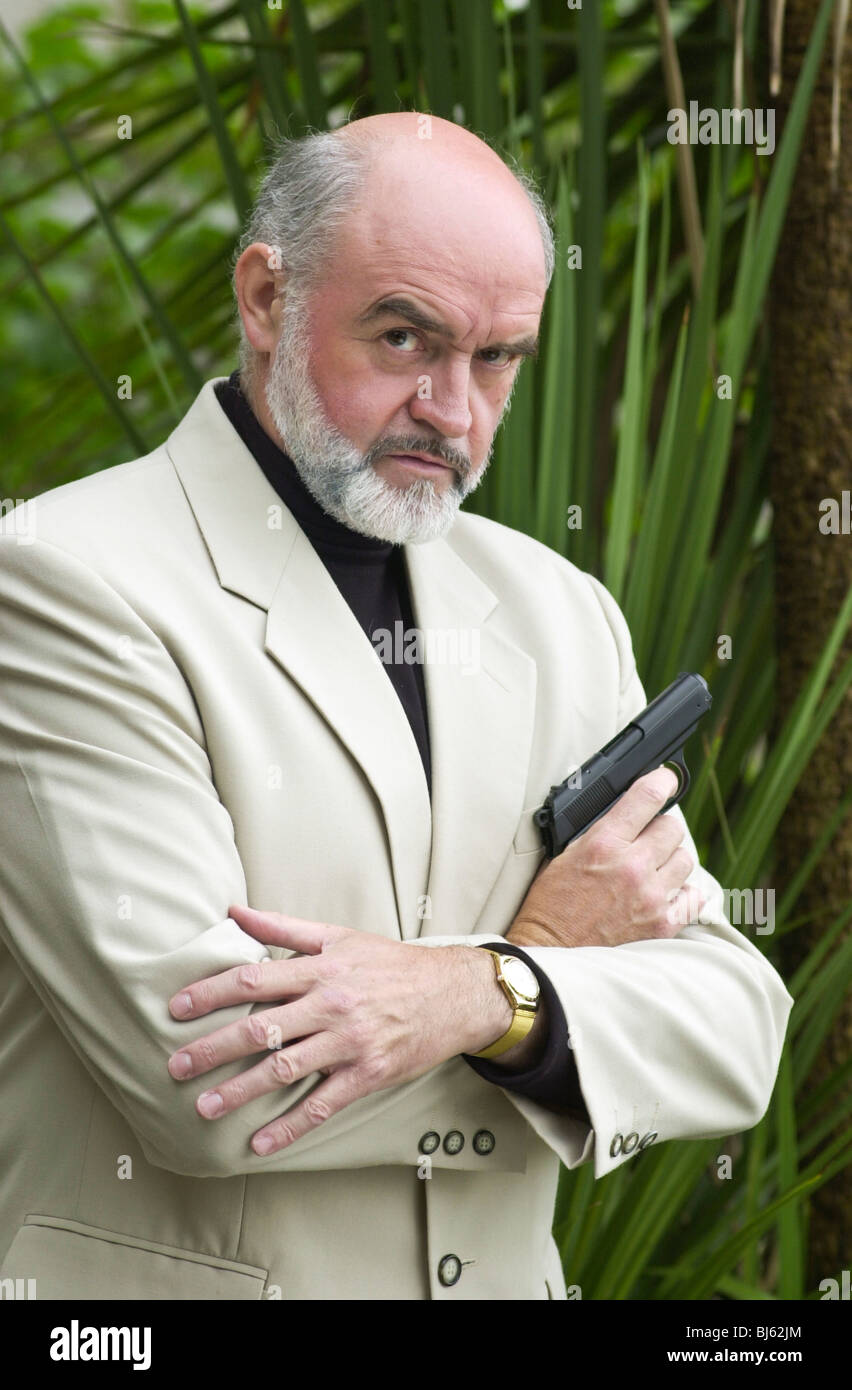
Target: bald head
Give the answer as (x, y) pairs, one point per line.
(428, 178)
(432, 143)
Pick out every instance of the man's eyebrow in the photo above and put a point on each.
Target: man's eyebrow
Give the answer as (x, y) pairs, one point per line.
(397, 306)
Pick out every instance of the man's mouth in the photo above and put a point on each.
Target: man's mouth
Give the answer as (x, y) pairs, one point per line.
(424, 463)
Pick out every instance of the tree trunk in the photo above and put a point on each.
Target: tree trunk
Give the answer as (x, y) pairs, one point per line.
(811, 358)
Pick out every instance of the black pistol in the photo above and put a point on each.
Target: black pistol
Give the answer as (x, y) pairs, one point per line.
(655, 736)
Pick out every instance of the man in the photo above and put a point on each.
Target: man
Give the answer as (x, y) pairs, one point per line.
(230, 822)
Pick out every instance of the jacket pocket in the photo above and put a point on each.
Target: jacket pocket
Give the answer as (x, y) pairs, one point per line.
(69, 1260)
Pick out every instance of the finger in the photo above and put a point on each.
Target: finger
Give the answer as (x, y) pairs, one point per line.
(260, 1032)
(293, 933)
(280, 1069)
(676, 869)
(256, 980)
(640, 803)
(661, 838)
(341, 1089)
(685, 907)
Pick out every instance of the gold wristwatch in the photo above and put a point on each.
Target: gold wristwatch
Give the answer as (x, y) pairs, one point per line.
(521, 988)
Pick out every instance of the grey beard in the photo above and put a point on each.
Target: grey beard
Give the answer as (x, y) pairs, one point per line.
(338, 476)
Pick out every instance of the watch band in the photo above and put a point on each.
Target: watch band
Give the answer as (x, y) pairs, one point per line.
(525, 1013)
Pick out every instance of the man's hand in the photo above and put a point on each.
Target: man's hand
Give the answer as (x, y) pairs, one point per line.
(368, 1012)
(615, 882)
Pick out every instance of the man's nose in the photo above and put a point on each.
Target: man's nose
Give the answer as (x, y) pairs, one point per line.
(443, 401)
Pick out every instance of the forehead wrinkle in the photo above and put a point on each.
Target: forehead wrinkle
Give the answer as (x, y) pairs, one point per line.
(456, 296)
(452, 259)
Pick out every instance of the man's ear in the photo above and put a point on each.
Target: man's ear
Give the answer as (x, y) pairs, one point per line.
(260, 280)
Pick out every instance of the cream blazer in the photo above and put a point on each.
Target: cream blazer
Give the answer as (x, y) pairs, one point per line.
(190, 716)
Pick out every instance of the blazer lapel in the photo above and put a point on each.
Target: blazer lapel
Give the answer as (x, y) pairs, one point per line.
(260, 552)
(481, 715)
(313, 634)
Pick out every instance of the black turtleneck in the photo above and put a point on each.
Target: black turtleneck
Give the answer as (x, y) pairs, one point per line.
(371, 576)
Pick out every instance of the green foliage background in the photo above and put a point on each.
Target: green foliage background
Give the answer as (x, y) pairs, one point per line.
(115, 260)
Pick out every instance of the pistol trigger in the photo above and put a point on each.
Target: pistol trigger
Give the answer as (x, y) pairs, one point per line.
(683, 778)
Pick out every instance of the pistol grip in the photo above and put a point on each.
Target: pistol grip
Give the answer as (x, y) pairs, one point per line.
(683, 777)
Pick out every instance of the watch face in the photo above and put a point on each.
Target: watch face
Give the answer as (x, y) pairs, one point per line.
(520, 977)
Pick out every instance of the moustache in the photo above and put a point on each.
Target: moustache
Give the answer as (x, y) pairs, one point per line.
(409, 444)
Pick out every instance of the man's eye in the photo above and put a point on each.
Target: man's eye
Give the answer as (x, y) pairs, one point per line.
(397, 333)
(502, 357)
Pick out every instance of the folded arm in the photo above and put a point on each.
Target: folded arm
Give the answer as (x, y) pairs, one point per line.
(119, 863)
(676, 1031)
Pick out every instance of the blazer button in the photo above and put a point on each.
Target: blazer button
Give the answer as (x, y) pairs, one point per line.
(429, 1143)
(630, 1143)
(483, 1141)
(647, 1139)
(453, 1144)
(449, 1271)
(616, 1146)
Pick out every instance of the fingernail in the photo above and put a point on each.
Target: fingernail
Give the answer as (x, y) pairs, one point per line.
(262, 1145)
(210, 1103)
(181, 1064)
(181, 1004)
